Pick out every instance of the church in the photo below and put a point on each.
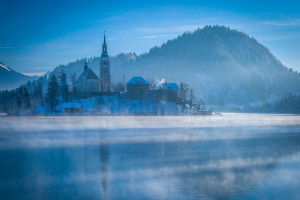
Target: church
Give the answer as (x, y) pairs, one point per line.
(89, 82)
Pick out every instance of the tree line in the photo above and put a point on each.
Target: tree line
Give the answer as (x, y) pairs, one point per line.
(48, 91)
(45, 91)
(288, 104)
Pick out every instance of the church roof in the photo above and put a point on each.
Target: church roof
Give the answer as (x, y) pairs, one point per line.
(87, 74)
(170, 86)
(137, 80)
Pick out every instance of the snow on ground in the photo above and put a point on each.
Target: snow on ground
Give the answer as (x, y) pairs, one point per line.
(114, 105)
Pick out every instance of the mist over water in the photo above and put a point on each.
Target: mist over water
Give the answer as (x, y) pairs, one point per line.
(235, 156)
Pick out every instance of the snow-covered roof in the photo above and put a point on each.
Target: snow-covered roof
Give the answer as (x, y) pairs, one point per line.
(87, 74)
(164, 85)
(170, 86)
(71, 105)
(137, 80)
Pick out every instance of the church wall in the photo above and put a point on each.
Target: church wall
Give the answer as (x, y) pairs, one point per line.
(88, 85)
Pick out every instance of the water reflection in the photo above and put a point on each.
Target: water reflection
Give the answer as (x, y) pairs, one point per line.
(203, 169)
(104, 162)
(150, 164)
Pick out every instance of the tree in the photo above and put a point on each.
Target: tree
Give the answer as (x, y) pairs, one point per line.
(191, 99)
(27, 102)
(156, 103)
(52, 92)
(74, 88)
(182, 96)
(39, 90)
(64, 86)
(119, 89)
(73, 79)
(19, 98)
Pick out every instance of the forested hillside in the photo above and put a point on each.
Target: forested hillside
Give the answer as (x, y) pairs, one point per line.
(224, 66)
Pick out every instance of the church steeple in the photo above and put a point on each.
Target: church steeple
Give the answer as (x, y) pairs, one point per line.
(104, 48)
(86, 66)
(104, 84)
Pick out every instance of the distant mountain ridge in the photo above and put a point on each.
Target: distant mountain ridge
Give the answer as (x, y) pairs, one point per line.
(10, 79)
(224, 66)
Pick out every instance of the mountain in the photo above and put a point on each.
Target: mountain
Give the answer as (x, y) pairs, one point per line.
(10, 79)
(224, 66)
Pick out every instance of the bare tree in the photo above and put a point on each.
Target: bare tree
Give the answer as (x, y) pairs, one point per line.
(183, 94)
(191, 99)
(119, 89)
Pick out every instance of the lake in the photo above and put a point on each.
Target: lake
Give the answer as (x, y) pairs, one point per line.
(234, 156)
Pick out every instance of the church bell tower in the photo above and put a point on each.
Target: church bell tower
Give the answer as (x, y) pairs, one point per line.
(104, 84)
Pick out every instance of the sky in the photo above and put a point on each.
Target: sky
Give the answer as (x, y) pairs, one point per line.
(36, 36)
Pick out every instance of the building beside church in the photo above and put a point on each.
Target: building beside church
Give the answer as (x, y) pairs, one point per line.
(137, 88)
(165, 91)
(88, 81)
(104, 83)
(168, 91)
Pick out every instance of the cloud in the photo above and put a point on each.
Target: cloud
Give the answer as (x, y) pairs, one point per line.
(10, 47)
(34, 74)
(109, 19)
(110, 38)
(294, 22)
(180, 28)
(42, 68)
(275, 38)
(156, 36)
(166, 30)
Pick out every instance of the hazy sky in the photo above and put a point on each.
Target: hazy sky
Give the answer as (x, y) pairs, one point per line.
(37, 35)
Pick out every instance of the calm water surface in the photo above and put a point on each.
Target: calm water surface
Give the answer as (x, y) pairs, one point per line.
(235, 156)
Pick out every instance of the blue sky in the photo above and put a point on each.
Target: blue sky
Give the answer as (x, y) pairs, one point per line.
(36, 35)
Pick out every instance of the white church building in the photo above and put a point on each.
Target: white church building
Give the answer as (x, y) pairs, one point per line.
(89, 82)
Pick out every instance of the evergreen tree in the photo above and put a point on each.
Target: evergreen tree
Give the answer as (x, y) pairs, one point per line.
(52, 92)
(26, 99)
(19, 98)
(73, 79)
(73, 87)
(39, 89)
(64, 86)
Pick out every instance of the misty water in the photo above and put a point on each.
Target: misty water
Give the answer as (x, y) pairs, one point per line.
(234, 156)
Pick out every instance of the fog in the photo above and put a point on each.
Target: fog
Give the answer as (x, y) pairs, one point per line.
(118, 122)
(234, 156)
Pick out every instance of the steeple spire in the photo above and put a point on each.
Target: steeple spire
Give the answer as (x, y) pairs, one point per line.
(104, 47)
(86, 65)
(104, 39)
